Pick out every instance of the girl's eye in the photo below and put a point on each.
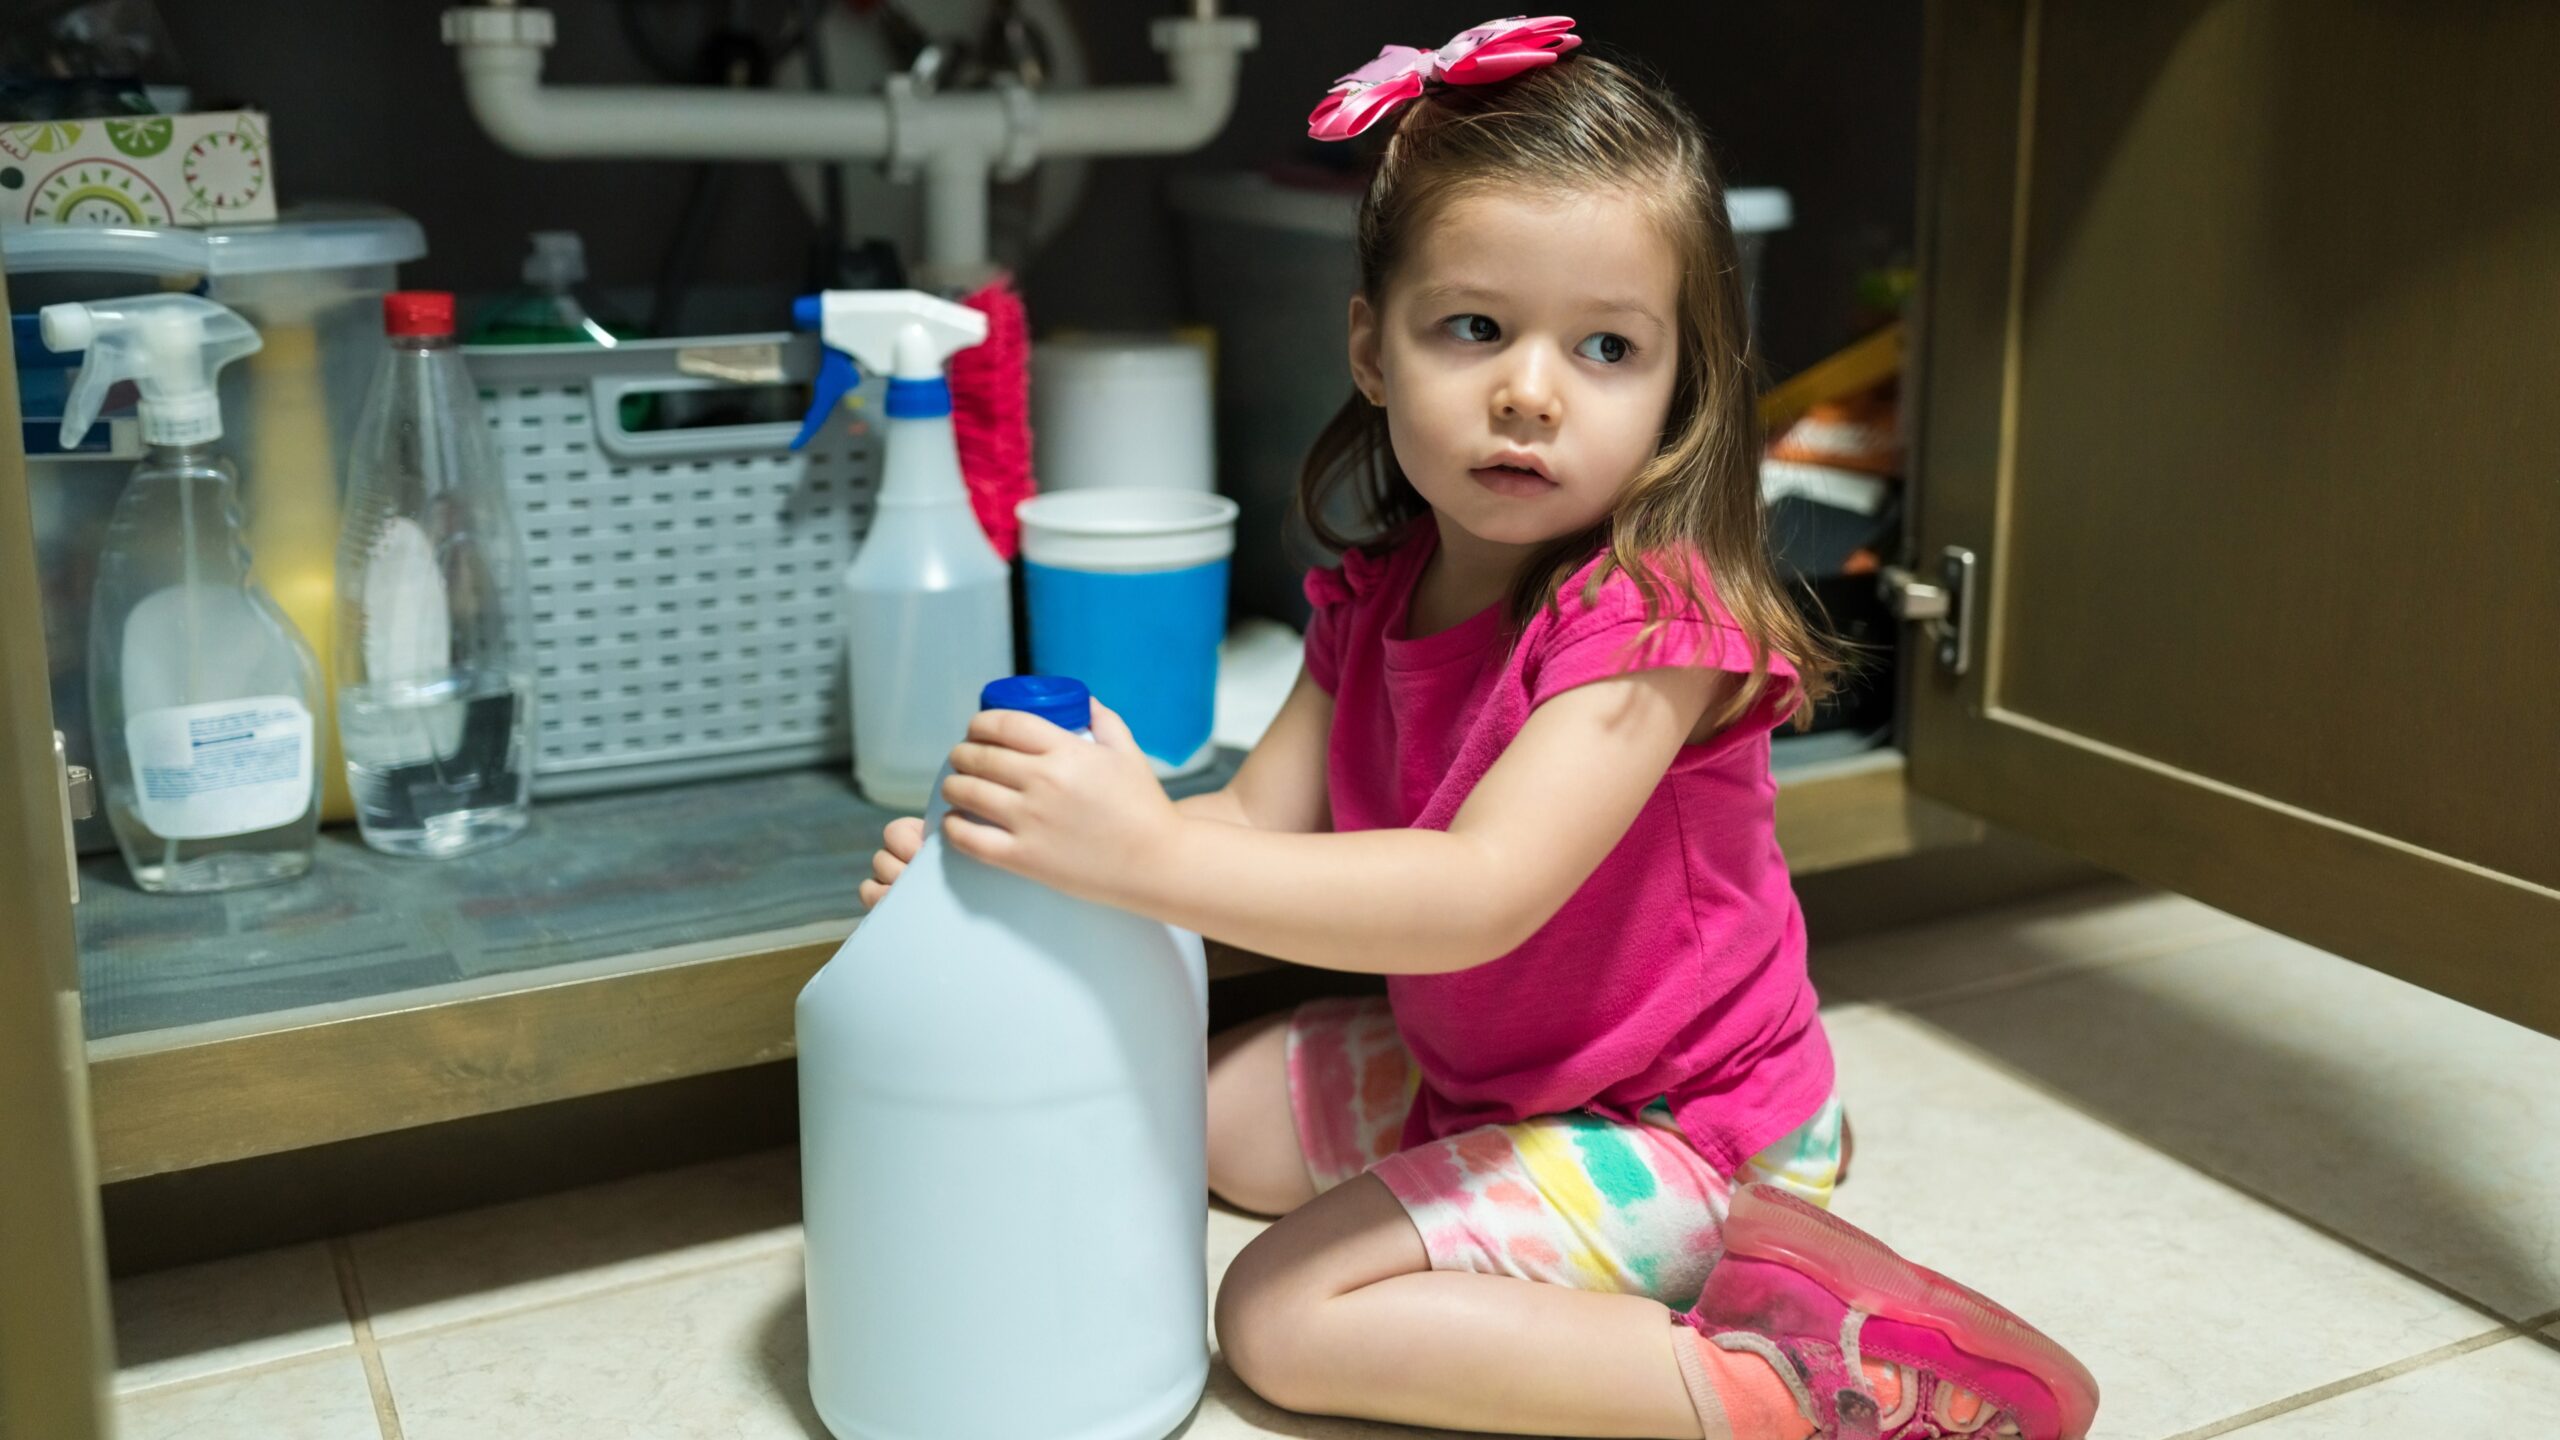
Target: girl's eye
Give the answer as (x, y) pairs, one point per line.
(1477, 328)
(1606, 348)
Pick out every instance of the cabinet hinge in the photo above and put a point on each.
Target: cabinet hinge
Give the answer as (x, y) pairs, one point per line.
(1944, 605)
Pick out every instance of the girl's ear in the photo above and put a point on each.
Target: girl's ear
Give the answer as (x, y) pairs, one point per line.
(1366, 373)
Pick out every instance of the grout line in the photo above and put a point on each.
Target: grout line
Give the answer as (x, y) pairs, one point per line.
(2052, 970)
(764, 1249)
(1837, 1012)
(351, 1290)
(2031, 977)
(2349, 1385)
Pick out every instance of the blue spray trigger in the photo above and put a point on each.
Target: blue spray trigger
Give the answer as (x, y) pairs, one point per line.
(836, 379)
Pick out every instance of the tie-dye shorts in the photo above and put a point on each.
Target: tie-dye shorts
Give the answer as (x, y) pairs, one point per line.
(1575, 1200)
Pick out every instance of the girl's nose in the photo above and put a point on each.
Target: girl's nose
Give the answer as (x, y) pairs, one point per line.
(1528, 389)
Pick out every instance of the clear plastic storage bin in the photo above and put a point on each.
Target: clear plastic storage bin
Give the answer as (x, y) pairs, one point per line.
(312, 283)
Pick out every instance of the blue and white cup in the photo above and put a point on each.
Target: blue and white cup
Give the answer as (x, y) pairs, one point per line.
(1128, 591)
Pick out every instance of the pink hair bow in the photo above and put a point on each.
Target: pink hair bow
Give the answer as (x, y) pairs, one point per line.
(1495, 50)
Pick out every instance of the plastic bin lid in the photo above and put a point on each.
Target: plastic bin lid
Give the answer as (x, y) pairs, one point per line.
(305, 238)
(1248, 197)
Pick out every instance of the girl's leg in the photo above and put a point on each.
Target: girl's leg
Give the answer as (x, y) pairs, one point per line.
(1254, 1160)
(1336, 1310)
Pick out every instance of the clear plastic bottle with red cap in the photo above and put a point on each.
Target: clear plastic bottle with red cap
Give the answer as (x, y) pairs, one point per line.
(435, 668)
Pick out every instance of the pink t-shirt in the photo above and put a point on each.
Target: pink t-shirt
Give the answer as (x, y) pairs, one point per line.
(1677, 971)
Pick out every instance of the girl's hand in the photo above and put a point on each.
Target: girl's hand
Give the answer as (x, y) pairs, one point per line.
(899, 843)
(1078, 817)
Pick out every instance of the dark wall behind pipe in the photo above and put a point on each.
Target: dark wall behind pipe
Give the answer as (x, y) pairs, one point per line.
(1820, 97)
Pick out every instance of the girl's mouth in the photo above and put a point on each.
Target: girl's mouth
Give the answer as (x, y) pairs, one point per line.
(1517, 481)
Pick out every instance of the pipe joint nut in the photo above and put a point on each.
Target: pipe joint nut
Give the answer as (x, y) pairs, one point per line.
(527, 26)
(1021, 129)
(905, 157)
(1230, 34)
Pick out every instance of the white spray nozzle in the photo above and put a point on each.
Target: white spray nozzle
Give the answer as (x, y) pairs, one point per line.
(170, 346)
(903, 334)
(66, 327)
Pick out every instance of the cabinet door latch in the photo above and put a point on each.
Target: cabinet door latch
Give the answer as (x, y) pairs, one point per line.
(79, 802)
(1944, 605)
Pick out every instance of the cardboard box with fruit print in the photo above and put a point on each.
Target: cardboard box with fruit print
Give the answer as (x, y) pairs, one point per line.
(155, 170)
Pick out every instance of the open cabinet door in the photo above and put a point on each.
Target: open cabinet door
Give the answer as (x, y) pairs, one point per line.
(54, 1343)
(2239, 376)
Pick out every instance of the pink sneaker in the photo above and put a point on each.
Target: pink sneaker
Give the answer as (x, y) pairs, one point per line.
(1875, 1346)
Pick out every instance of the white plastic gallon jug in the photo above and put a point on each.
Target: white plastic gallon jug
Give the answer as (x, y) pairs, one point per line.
(1003, 1114)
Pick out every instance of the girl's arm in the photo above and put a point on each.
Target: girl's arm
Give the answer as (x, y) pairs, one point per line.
(1281, 785)
(1378, 901)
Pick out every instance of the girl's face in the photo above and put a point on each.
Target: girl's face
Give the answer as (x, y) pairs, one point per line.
(1525, 353)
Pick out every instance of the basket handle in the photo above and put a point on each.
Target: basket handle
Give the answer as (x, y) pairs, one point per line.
(607, 392)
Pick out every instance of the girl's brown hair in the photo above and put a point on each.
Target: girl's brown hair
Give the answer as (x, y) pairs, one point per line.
(1582, 124)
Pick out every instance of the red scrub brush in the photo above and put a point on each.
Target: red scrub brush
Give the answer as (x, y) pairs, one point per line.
(991, 413)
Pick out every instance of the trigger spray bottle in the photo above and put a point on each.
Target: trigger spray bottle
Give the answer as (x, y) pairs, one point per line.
(928, 603)
(202, 693)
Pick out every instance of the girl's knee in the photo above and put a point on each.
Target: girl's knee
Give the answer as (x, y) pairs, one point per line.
(1266, 1327)
(1280, 1314)
(1254, 1161)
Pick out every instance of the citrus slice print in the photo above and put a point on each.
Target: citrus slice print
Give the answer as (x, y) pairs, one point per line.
(226, 170)
(45, 137)
(98, 192)
(144, 135)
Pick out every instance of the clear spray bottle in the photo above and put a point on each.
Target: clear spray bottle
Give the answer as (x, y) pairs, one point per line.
(201, 692)
(928, 602)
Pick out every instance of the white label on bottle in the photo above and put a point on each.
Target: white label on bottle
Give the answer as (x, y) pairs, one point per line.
(228, 767)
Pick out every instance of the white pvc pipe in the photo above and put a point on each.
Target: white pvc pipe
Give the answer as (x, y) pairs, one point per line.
(955, 215)
(503, 81)
(955, 138)
(504, 84)
(1148, 120)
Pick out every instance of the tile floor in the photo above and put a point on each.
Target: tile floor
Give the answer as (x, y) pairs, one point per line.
(2261, 1191)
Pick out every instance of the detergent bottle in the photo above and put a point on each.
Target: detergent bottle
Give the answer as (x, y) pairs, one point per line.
(928, 603)
(203, 697)
(1003, 1116)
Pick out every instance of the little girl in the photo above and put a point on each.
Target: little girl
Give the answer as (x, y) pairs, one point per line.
(1568, 1177)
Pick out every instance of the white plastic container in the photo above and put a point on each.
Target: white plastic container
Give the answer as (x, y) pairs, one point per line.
(928, 602)
(1122, 410)
(1128, 591)
(1003, 1113)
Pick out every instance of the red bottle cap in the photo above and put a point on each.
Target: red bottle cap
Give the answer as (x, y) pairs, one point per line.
(417, 312)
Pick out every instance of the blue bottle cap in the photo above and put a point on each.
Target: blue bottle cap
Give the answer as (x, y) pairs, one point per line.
(918, 399)
(1062, 702)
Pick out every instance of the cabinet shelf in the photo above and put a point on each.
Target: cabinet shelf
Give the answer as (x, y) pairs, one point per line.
(626, 940)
